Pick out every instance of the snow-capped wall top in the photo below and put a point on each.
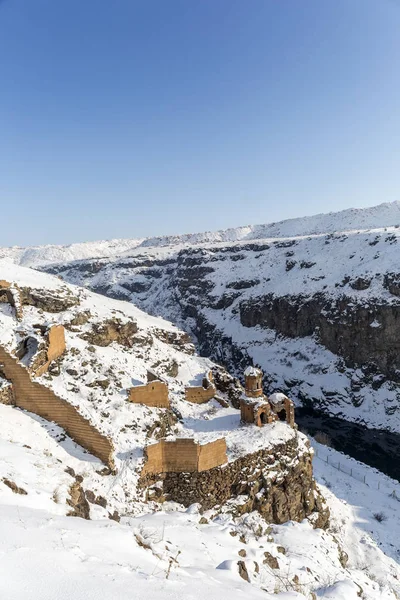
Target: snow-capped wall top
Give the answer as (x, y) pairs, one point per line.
(383, 215)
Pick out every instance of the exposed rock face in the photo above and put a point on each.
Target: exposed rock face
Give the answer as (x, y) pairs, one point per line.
(14, 487)
(78, 502)
(6, 393)
(52, 303)
(231, 386)
(362, 334)
(176, 339)
(112, 330)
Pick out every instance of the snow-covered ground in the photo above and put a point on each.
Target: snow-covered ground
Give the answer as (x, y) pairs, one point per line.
(170, 552)
(176, 553)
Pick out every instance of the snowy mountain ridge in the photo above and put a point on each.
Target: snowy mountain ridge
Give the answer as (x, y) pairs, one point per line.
(354, 219)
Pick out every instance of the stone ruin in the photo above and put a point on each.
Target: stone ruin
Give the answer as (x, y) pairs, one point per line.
(41, 400)
(153, 394)
(283, 408)
(203, 393)
(10, 294)
(184, 455)
(259, 409)
(277, 482)
(190, 471)
(55, 347)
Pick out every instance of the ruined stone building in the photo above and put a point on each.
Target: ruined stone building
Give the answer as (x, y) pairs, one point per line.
(257, 408)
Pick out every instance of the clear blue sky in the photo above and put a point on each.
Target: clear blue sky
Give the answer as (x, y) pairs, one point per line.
(127, 118)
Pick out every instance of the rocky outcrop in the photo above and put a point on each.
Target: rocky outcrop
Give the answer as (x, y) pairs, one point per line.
(112, 330)
(6, 393)
(79, 506)
(177, 339)
(277, 482)
(229, 386)
(47, 301)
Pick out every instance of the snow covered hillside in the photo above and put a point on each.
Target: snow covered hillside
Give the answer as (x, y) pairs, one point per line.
(129, 543)
(317, 310)
(111, 346)
(175, 552)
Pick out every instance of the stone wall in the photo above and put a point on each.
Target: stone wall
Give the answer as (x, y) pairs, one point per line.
(154, 393)
(55, 348)
(180, 456)
(10, 293)
(155, 458)
(183, 455)
(212, 455)
(56, 342)
(203, 393)
(263, 481)
(42, 401)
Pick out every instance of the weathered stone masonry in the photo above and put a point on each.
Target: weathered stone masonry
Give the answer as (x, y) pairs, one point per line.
(154, 393)
(277, 482)
(41, 400)
(183, 455)
(55, 348)
(203, 393)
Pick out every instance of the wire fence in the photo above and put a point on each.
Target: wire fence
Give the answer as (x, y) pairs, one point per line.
(362, 477)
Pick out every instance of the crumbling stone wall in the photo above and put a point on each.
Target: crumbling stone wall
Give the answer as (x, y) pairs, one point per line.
(283, 407)
(183, 455)
(56, 342)
(154, 393)
(256, 412)
(277, 482)
(55, 348)
(10, 293)
(203, 393)
(42, 401)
